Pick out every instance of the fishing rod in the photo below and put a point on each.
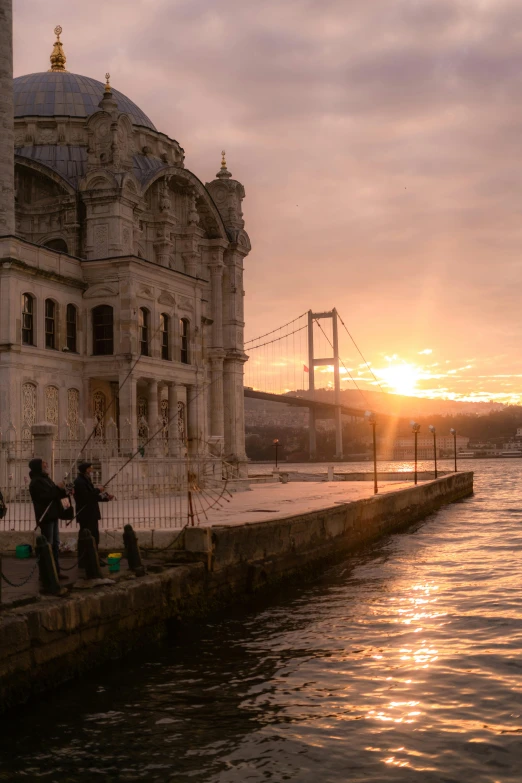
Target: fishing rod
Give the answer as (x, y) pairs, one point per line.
(113, 400)
(142, 446)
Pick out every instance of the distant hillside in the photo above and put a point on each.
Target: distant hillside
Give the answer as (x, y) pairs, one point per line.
(403, 406)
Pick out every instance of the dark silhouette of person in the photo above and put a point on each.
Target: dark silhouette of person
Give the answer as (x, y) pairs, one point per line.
(87, 498)
(47, 502)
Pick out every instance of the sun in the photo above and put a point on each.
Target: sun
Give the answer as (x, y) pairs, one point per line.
(401, 378)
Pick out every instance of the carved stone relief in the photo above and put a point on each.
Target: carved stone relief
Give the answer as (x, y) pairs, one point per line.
(28, 409)
(101, 241)
(99, 407)
(73, 412)
(51, 404)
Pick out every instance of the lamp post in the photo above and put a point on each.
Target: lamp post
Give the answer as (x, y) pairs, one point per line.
(276, 446)
(415, 429)
(372, 421)
(434, 433)
(454, 433)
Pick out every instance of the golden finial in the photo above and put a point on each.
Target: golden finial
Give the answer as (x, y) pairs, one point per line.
(107, 82)
(223, 172)
(58, 58)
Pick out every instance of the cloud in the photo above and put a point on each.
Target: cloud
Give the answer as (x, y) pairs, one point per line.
(375, 140)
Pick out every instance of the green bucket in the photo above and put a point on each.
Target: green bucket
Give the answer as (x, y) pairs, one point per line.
(23, 550)
(113, 561)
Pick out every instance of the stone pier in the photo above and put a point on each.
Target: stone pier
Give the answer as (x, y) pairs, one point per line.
(55, 639)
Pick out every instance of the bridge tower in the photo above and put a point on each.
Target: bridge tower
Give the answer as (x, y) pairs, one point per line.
(321, 362)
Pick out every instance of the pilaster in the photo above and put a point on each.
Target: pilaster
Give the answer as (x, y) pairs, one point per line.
(7, 204)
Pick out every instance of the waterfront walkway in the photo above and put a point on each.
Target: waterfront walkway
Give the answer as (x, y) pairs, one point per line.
(265, 502)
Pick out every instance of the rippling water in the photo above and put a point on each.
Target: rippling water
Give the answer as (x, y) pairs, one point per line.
(400, 664)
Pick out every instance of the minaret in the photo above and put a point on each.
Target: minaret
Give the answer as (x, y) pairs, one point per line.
(7, 213)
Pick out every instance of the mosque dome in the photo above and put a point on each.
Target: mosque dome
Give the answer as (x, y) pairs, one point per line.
(58, 93)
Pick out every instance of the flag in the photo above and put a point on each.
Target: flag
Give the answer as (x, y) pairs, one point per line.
(305, 368)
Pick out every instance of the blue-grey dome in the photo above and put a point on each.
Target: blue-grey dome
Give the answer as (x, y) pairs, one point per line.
(59, 94)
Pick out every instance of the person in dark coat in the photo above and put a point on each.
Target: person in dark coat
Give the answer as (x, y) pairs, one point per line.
(47, 502)
(87, 498)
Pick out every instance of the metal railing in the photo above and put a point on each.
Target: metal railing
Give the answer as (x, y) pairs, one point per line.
(151, 489)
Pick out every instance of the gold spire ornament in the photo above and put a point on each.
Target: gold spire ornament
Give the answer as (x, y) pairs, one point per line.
(107, 82)
(58, 58)
(223, 172)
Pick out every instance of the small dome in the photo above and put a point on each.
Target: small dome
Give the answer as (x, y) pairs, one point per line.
(63, 94)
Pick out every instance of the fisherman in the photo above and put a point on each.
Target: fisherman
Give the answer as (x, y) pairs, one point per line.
(87, 498)
(48, 508)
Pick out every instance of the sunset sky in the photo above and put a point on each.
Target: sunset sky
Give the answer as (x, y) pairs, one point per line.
(380, 145)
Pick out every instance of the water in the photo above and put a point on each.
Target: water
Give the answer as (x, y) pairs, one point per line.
(400, 664)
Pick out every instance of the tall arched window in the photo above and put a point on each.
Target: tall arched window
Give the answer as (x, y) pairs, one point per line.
(72, 328)
(184, 333)
(164, 331)
(102, 330)
(27, 319)
(143, 323)
(50, 324)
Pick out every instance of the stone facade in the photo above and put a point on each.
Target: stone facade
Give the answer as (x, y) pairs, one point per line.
(119, 253)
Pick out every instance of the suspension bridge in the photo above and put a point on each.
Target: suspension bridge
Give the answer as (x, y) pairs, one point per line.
(285, 360)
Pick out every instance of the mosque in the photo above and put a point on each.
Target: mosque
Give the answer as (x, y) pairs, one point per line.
(121, 273)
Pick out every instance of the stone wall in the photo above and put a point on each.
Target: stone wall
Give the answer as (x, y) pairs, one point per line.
(56, 639)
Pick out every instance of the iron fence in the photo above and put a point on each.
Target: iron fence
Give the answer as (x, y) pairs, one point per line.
(151, 489)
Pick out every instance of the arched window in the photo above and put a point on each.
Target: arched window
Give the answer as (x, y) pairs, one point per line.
(102, 330)
(50, 324)
(72, 327)
(164, 331)
(58, 244)
(27, 319)
(143, 323)
(184, 328)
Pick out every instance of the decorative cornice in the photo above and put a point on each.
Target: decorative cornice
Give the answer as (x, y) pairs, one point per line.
(43, 273)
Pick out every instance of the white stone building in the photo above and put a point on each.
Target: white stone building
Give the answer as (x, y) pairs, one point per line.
(111, 251)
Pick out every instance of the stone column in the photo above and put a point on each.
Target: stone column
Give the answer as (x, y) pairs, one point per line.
(86, 407)
(191, 262)
(153, 419)
(234, 407)
(44, 435)
(217, 414)
(128, 414)
(174, 442)
(194, 434)
(7, 205)
(216, 293)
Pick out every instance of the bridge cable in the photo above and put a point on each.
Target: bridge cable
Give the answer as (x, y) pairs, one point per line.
(276, 339)
(361, 355)
(255, 339)
(345, 367)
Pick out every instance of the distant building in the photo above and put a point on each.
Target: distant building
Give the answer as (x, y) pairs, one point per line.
(403, 447)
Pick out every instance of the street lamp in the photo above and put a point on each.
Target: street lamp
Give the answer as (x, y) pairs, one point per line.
(415, 429)
(434, 433)
(276, 446)
(454, 433)
(372, 421)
